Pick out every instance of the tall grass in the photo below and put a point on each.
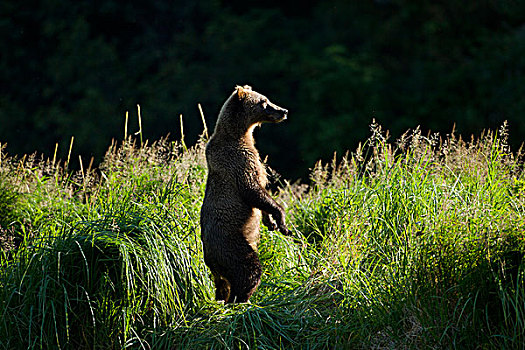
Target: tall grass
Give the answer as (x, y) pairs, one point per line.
(416, 243)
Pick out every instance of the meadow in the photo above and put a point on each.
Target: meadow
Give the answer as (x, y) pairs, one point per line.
(415, 243)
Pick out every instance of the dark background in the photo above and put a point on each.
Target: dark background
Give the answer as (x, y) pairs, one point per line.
(75, 67)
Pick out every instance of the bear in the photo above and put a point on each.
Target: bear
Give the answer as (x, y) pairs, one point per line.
(236, 198)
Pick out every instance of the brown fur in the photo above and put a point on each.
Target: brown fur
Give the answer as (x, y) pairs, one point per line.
(236, 196)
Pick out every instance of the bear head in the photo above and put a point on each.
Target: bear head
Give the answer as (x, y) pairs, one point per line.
(258, 107)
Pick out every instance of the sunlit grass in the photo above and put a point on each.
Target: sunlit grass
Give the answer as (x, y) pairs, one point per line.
(416, 243)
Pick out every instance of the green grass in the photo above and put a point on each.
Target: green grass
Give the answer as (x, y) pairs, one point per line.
(416, 244)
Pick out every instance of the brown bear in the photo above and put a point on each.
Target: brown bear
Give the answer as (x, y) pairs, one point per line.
(236, 196)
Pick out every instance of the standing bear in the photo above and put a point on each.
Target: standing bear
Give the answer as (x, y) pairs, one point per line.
(236, 198)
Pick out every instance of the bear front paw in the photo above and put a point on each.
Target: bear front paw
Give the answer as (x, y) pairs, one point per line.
(285, 231)
(269, 223)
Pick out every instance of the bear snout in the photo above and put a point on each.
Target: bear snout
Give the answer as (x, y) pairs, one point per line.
(276, 113)
(284, 115)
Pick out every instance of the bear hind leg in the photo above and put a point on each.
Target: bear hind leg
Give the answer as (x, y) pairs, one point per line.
(245, 280)
(222, 288)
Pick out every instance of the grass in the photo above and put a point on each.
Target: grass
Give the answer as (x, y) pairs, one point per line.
(412, 244)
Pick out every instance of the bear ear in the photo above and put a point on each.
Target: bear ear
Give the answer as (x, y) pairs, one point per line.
(242, 91)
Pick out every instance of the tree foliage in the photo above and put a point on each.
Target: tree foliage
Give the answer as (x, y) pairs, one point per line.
(74, 69)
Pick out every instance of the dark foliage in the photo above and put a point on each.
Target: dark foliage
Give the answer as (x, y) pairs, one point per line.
(74, 69)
